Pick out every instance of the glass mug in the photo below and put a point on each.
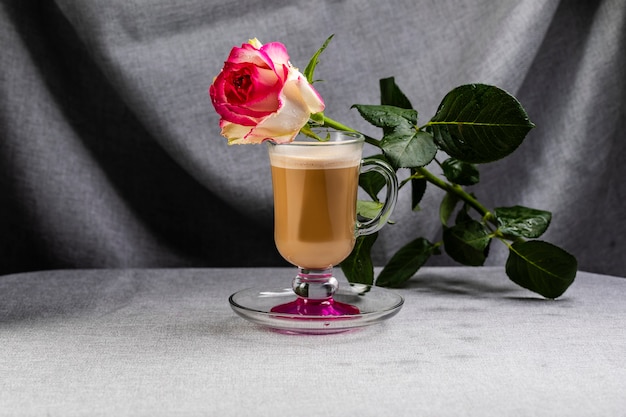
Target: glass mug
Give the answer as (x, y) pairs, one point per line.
(315, 186)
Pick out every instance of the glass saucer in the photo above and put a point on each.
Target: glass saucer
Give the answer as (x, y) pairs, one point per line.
(375, 305)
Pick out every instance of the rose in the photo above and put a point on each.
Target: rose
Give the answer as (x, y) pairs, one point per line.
(260, 96)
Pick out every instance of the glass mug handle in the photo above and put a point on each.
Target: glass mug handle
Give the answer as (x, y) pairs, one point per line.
(371, 226)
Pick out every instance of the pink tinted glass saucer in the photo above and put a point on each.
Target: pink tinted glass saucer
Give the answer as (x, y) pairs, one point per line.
(353, 306)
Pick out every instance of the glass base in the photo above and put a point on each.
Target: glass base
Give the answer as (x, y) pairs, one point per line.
(352, 307)
(307, 307)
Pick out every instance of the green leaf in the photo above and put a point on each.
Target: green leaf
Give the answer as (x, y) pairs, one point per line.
(463, 215)
(368, 209)
(391, 94)
(403, 144)
(460, 172)
(447, 206)
(522, 221)
(372, 182)
(408, 148)
(358, 267)
(405, 263)
(310, 68)
(541, 267)
(479, 123)
(467, 243)
(418, 189)
(387, 116)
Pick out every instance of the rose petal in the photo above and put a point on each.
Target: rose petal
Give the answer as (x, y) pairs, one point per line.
(260, 78)
(255, 42)
(245, 105)
(247, 54)
(276, 52)
(309, 95)
(284, 125)
(239, 115)
(236, 134)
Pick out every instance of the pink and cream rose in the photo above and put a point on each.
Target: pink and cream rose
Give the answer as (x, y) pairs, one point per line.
(260, 96)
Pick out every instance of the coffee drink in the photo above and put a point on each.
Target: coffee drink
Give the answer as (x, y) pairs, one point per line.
(315, 203)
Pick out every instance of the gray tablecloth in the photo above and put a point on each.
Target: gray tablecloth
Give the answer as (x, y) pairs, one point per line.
(166, 342)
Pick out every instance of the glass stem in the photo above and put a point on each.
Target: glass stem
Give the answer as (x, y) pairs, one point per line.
(315, 284)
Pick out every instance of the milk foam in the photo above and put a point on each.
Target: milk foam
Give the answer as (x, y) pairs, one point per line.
(312, 157)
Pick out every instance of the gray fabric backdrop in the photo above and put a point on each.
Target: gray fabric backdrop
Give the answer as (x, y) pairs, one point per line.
(110, 154)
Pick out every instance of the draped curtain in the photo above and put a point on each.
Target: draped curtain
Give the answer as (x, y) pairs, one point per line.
(110, 152)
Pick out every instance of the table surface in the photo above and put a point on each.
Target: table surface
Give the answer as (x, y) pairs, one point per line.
(166, 342)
